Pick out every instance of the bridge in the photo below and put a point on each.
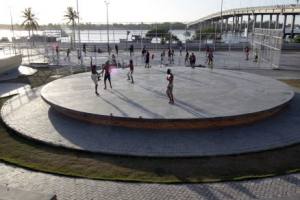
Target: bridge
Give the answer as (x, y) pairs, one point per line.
(237, 20)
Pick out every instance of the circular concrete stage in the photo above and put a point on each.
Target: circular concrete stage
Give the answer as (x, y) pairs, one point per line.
(31, 117)
(203, 98)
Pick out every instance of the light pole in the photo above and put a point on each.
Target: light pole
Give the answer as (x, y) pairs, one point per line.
(79, 38)
(107, 23)
(221, 18)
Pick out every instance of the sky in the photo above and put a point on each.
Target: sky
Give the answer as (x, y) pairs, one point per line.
(123, 11)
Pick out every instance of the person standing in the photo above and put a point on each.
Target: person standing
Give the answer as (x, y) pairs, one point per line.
(130, 73)
(193, 60)
(170, 79)
(247, 51)
(84, 49)
(131, 50)
(95, 76)
(147, 60)
(162, 58)
(117, 49)
(170, 55)
(68, 55)
(187, 55)
(107, 71)
(180, 50)
(210, 57)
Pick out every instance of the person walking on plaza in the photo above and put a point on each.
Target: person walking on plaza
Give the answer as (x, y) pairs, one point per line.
(147, 60)
(131, 50)
(84, 49)
(95, 76)
(187, 55)
(162, 58)
(144, 52)
(117, 49)
(130, 73)
(68, 56)
(210, 57)
(247, 51)
(193, 60)
(170, 79)
(170, 56)
(180, 50)
(107, 71)
(256, 56)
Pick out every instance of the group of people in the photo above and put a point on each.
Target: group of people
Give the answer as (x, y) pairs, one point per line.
(191, 59)
(171, 55)
(106, 71)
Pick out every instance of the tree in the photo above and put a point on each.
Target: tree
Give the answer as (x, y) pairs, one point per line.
(206, 34)
(71, 15)
(297, 39)
(163, 33)
(30, 23)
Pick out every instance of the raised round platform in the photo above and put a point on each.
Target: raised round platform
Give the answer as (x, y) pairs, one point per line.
(203, 99)
(31, 117)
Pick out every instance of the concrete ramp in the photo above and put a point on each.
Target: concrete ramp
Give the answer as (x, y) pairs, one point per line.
(9, 63)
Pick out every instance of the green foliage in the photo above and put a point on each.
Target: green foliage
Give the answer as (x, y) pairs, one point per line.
(163, 33)
(206, 34)
(30, 23)
(297, 39)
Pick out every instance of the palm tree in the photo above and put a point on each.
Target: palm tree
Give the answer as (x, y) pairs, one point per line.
(71, 15)
(30, 23)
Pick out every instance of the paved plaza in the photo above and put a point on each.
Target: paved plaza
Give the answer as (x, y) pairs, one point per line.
(45, 125)
(199, 93)
(279, 188)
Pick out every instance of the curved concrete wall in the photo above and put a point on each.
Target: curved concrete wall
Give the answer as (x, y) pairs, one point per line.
(9, 63)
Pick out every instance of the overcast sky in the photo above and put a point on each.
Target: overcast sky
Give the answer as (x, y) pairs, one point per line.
(94, 11)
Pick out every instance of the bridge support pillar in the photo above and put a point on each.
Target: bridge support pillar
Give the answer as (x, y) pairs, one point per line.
(248, 23)
(284, 25)
(254, 22)
(270, 21)
(293, 27)
(261, 21)
(226, 25)
(277, 21)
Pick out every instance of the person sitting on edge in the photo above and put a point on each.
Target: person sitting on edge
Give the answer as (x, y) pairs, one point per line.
(170, 79)
(95, 76)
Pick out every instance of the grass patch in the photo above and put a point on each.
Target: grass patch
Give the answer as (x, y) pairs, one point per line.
(22, 152)
(293, 82)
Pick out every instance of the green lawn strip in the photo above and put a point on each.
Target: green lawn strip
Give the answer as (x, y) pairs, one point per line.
(21, 152)
(292, 82)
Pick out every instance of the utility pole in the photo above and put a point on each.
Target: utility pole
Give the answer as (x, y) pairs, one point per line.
(79, 38)
(107, 24)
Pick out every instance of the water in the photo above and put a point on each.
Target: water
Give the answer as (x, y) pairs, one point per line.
(91, 36)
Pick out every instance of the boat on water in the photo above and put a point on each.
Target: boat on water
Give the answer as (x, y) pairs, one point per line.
(10, 62)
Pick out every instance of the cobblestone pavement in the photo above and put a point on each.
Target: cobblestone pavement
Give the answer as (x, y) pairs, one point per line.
(83, 189)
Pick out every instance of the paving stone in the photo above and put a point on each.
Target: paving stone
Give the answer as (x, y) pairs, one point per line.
(29, 115)
(279, 188)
